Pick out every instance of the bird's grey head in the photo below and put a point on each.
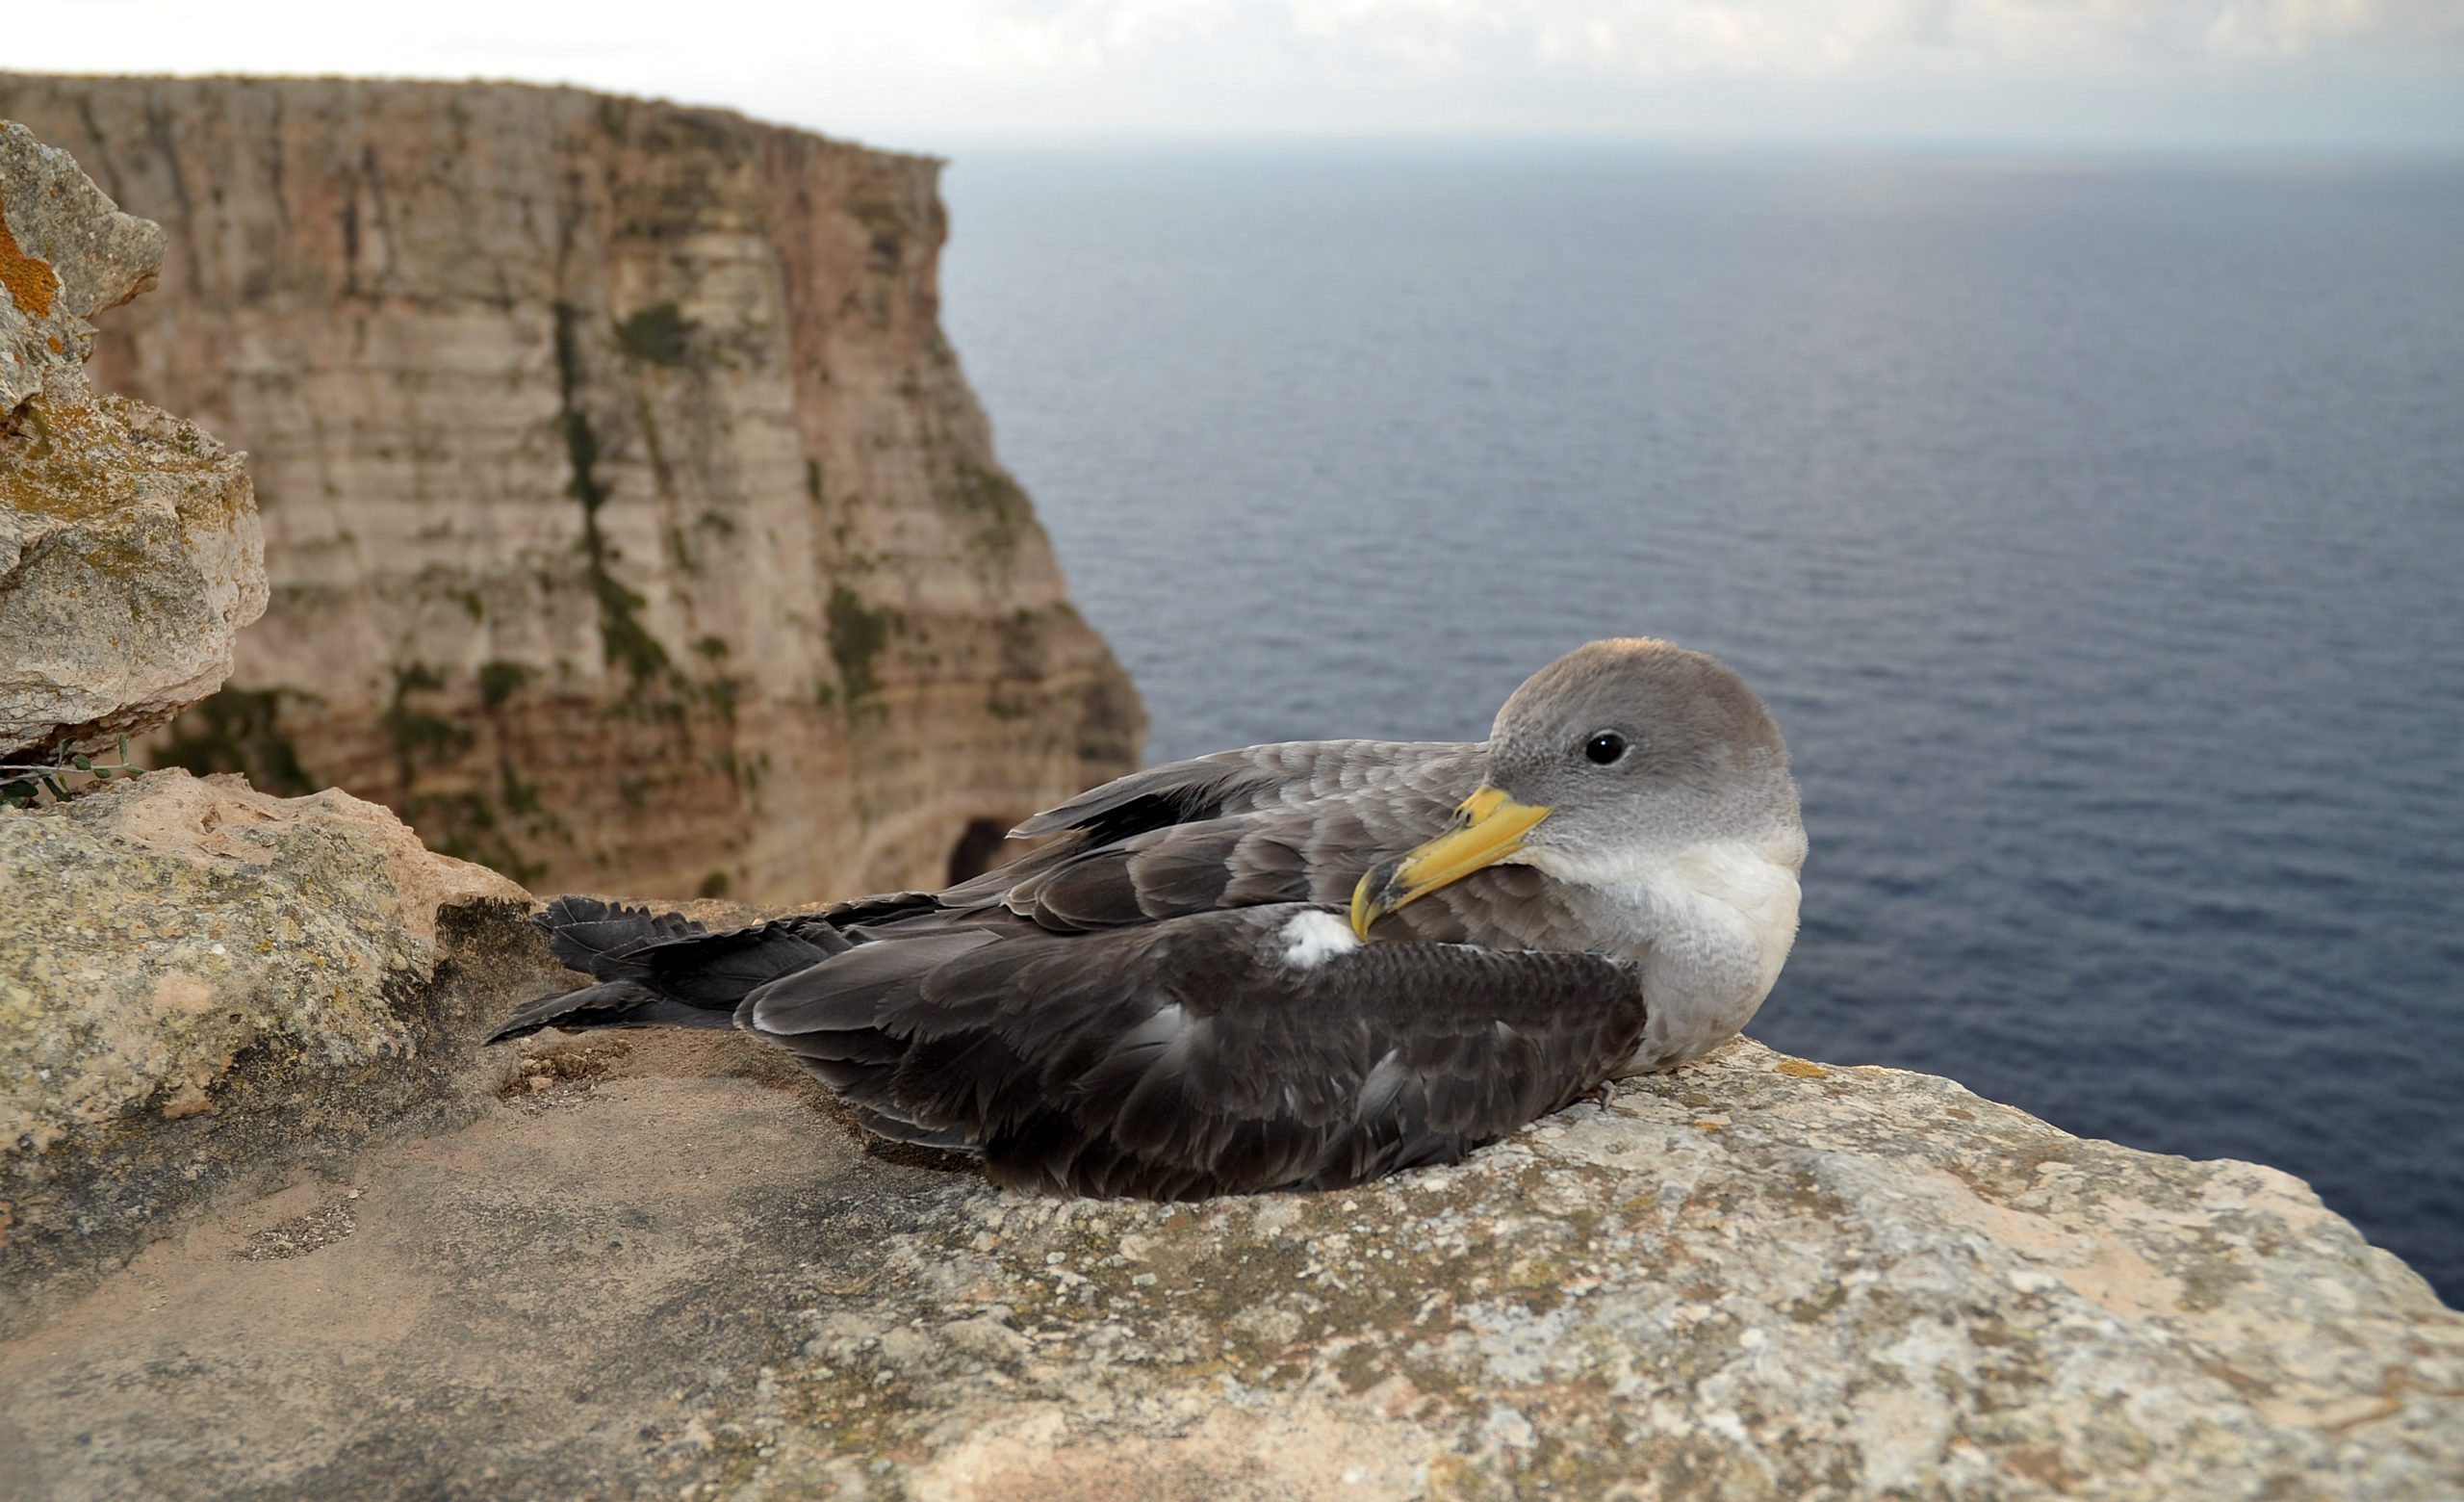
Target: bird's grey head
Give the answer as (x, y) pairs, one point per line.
(1615, 755)
(1635, 744)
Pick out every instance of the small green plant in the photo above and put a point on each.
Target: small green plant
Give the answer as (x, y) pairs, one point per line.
(658, 335)
(858, 634)
(416, 731)
(62, 779)
(1001, 510)
(623, 639)
(500, 680)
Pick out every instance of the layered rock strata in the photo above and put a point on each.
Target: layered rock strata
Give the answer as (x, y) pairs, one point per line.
(630, 521)
(130, 555)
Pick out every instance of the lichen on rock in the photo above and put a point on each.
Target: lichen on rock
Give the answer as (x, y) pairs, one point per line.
(130, 553)
(1755, 1277)
(156, 930)
(67, 253)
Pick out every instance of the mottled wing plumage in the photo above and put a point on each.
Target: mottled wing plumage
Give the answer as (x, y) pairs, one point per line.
(1286, 774)
(1296, 822)
(1187, 1057)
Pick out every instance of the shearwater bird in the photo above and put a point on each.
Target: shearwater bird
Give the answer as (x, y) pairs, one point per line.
(1292, 966)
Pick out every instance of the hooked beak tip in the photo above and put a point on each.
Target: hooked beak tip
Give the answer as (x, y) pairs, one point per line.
(1372, 897)
(1487, 827)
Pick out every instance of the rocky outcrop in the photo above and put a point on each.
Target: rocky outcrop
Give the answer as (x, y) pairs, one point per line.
(657, 1264)
(129, 550)
(199, 981)
(630, 521)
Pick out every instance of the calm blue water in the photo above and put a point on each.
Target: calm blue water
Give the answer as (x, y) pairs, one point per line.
(2095, 530)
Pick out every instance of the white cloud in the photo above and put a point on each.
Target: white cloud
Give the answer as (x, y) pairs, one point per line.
(1658, 37)
(916, 71)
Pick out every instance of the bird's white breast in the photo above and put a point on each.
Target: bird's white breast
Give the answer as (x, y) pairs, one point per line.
(1712, 924)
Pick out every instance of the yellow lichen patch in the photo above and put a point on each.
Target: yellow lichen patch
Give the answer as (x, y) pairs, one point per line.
(30, 281)
(1802, 1070)
(78, 460)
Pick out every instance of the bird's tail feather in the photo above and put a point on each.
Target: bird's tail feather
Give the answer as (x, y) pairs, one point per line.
(662, 970)
(598, 938)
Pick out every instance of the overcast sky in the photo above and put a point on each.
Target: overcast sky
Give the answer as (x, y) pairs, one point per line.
(953, 74)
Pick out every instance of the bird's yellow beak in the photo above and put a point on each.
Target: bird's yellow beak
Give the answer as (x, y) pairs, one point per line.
(1488, 826)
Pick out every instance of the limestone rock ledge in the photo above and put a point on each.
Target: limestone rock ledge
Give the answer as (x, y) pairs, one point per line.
(198, 981)
(130, 553)
(658, 1264)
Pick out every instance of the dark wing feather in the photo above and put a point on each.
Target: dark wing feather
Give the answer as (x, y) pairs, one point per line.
(615, 1003)
(1297, 821)
(1174, 793)
(1275, 794)
(598, 937)
(880, 908)
(1255, 779)
(1186, 1057)
(584, 1007)
(719, 970)
(1095, 891)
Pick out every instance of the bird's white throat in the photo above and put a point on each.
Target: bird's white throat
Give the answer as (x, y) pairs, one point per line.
(1711, 923)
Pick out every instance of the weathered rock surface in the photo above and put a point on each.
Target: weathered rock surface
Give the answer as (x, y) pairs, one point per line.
(631, 523)
(130, 555)
(656, 1265)
(198, 981)
(67, 253)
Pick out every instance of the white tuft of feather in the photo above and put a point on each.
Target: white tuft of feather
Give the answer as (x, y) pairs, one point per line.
(1312, 938)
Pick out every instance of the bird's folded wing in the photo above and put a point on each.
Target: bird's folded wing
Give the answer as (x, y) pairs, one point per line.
(1191, 1056)
(1298, 821)
(1283, 775)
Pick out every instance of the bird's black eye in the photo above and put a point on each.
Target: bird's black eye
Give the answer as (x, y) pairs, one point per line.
(1606, 747)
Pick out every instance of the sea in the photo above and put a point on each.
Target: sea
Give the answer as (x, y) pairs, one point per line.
(2095, 527)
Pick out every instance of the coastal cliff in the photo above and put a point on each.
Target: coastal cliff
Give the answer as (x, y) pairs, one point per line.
(629, 521)
(276, 1222)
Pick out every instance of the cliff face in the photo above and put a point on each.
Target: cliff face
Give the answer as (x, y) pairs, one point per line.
(630, 522)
